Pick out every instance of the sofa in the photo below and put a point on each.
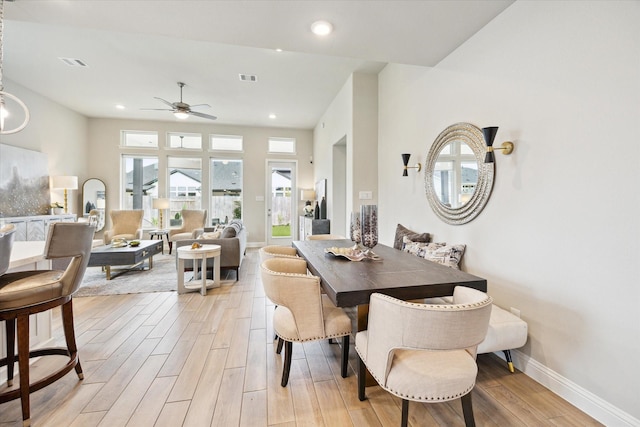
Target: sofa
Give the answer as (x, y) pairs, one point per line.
(232, 240)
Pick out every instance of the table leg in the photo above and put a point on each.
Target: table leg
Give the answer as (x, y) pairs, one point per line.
(216, 270)
(181, 288)
(107, 269)
(203, 274)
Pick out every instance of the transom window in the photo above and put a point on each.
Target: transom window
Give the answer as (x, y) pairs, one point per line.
(282, 145)
(137, 139)
(226, 142)
(188, 141)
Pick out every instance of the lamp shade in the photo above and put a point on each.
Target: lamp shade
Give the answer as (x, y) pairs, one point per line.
(307, 195)
(405, 161)
(64, 182)
(161, 203)
(489, 134)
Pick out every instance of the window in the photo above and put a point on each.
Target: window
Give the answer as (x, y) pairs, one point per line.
(188, 141)
(185, 184)
(140, 185)
(137, 139)
(226, 142)
(282, 145)
(455, 175)
(226, 190)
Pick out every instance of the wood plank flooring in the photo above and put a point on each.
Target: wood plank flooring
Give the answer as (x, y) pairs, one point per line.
(163, 359)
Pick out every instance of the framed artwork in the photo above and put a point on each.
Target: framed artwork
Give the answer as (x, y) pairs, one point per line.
(24, 182)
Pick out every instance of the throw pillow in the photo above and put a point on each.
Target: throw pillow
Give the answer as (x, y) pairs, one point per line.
(449, 255)
(228, 232)
(402, 231)
(211, 235)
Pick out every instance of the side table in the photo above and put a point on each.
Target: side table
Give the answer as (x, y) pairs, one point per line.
(159, 234)
(202, 254)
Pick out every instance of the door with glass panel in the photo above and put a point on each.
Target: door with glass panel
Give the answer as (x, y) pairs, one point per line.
(281, 202)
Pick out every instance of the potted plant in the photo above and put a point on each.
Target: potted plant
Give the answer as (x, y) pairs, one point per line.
(56, 208)
(176, 220)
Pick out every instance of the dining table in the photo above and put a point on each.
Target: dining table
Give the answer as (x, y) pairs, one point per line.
(350, 281)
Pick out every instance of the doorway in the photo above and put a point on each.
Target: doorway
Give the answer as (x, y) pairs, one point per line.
(281, 202)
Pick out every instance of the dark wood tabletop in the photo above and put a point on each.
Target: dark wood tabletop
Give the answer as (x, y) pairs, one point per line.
(398, 274)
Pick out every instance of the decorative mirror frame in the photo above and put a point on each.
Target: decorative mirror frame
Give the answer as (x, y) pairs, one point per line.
(101, 218)
(472, 136)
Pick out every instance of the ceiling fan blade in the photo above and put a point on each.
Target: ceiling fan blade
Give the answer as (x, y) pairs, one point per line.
(165, 101)
(204, 116)
(200, 105)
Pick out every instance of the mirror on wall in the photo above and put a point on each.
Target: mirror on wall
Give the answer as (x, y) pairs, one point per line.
(457, 181)
(94, 198)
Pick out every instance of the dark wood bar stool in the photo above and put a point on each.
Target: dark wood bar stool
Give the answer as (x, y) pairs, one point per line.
(29, 292)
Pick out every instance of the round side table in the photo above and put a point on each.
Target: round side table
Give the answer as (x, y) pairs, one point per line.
(202, 254)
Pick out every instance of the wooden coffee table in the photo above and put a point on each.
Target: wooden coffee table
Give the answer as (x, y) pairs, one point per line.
(132, 256)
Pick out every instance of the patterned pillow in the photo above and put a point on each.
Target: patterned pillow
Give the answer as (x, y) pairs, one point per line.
(402, 231)
(210, 235)
(449, 255)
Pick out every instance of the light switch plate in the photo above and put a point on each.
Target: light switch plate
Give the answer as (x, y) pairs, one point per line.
(259, 198)
(365, 195)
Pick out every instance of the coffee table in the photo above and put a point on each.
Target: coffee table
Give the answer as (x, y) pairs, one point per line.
(107, 256)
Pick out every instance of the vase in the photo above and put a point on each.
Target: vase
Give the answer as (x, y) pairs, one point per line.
(323, 209)
(354, 230)
(316, 211)
(369, 228)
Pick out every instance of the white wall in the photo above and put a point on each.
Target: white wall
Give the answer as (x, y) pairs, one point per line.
(559, 237)
(105, 154)
(350, 120)
(56, 131)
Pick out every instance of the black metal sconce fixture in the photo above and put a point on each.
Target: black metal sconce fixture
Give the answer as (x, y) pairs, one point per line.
(489, 135)
(405, 160)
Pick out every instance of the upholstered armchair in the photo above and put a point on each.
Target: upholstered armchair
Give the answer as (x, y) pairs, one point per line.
(192, 219)
(125, 224)
(424, 352)
(302, 313)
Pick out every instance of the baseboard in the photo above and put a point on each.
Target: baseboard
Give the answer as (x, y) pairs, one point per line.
(582, 399)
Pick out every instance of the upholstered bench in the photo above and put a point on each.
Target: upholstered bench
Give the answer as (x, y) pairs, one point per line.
(506, 331)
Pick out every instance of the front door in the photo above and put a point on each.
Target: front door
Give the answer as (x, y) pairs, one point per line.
(281, 202)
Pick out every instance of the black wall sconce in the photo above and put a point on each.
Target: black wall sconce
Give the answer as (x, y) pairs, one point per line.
(405, 160)
(489, 135)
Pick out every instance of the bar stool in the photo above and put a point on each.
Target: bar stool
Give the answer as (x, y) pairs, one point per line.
(28, 292)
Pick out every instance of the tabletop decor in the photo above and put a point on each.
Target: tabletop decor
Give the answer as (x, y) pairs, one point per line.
(369, 228)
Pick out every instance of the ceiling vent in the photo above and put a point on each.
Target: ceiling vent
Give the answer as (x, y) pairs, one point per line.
(73, 62)
(248, 78)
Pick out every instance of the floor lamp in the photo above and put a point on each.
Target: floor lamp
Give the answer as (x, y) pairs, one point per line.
(64, 183)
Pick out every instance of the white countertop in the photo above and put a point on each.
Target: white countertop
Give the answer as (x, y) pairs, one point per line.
(24, 253)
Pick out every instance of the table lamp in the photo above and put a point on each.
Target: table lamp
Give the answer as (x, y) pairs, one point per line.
(64, 183)
(161, 204)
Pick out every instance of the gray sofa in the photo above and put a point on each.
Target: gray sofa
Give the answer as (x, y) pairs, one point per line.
(233, 242)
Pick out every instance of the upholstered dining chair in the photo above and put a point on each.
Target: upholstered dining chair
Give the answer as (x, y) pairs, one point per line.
(6, 243)
(192, 219)
(275, 251)
(325, 237)
(302, 312)
(29, 292)
(424, 352)
(125, 224)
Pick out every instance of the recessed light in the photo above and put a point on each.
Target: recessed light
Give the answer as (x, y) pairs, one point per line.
(272, 116)
(120, 106)
(278, 50)
(321, 28)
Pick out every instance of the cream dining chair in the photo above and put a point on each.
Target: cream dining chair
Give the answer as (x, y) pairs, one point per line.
(424, 352)
(275, 251)
(302, 312)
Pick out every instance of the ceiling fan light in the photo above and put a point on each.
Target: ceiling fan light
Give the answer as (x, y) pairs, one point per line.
(181, 115)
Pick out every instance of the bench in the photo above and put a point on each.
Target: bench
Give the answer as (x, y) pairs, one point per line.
(506, 331)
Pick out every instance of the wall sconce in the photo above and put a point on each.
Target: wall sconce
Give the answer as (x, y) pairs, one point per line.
(161, 204)
(489, 135)
(64, 183)
(405, 160)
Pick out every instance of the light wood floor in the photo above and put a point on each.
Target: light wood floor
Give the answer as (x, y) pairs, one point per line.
(166, 360)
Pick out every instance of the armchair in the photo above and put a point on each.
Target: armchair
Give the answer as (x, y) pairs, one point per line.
(191, 221)
(126, 224)
(424, 352)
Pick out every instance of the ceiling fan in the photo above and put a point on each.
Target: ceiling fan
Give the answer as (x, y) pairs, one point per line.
(181, 109)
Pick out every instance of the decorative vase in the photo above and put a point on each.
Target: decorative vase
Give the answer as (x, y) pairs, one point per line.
(355, 231)
(369, 227)
(323, 209)
(316, 211)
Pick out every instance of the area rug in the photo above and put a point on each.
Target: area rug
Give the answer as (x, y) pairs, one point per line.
(161, 278)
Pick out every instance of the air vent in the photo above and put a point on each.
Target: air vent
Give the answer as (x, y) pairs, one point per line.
(73, 62)
(248, 77)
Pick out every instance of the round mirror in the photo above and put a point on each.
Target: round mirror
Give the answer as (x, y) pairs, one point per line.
(457, 181)
(94, 198)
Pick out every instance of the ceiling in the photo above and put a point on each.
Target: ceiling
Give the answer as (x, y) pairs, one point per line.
(136, 50)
